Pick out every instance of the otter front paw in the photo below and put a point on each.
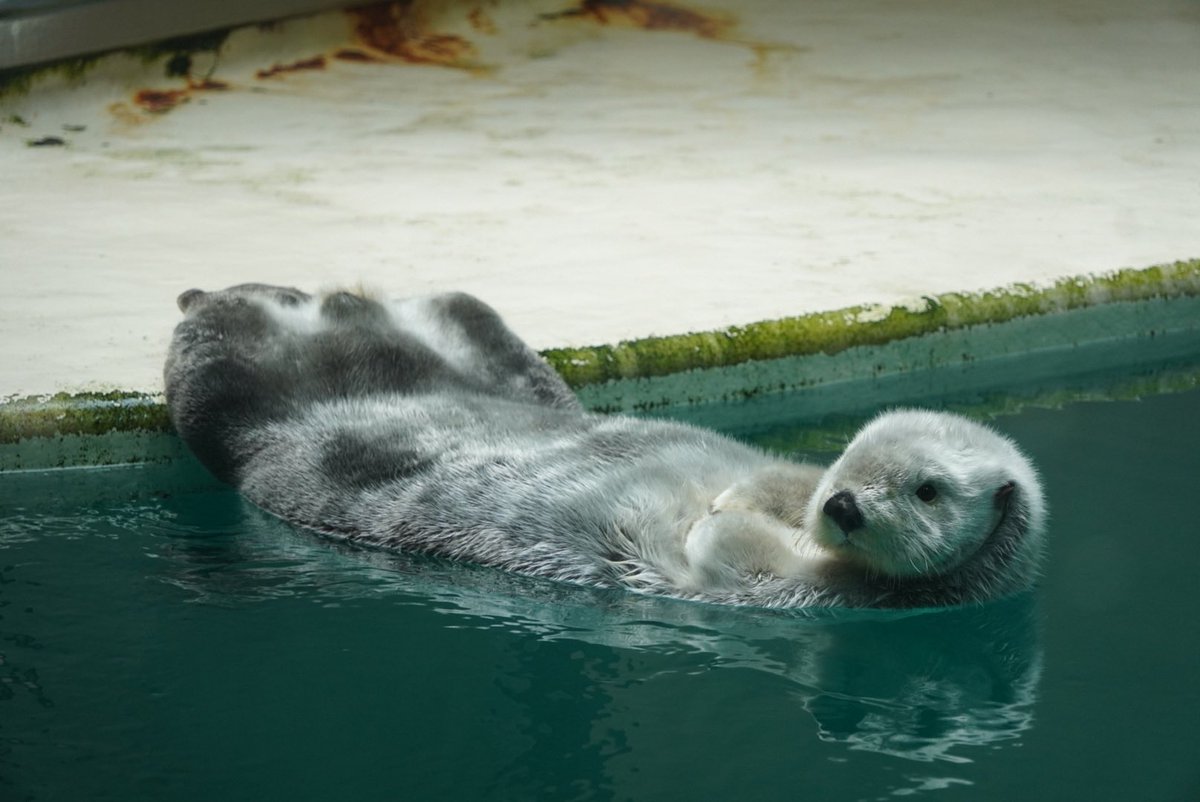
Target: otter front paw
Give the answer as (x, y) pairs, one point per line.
(727, 548)
(781, 492)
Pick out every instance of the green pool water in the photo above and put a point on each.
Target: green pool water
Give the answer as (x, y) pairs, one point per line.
(161, 640)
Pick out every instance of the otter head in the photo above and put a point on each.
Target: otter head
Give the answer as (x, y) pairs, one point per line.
(920, 494)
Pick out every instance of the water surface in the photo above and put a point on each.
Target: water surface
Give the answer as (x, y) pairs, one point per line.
(183, 646)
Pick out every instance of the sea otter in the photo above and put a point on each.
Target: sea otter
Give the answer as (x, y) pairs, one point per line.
(426, 425)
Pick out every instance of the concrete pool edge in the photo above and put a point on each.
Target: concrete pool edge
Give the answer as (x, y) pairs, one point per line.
(1077, 325)
(835, 331)
(735, 363)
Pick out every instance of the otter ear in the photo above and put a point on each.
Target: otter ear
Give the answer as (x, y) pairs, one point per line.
(1001, 497)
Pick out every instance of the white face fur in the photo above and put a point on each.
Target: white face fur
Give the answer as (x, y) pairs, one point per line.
(918, 493)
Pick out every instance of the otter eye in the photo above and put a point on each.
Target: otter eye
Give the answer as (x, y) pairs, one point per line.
(927, 492)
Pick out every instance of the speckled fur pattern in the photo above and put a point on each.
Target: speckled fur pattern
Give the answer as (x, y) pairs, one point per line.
(426, 425)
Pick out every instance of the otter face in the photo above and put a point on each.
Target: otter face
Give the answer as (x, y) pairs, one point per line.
(918, 493)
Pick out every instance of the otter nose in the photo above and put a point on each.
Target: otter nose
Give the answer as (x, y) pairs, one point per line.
(842, 509)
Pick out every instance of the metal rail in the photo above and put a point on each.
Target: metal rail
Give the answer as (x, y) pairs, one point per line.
(44, 31)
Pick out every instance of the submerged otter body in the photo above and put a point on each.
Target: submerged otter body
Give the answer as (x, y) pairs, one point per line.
(426, 425)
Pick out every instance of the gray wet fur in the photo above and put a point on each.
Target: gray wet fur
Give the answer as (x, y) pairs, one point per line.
(426, 425)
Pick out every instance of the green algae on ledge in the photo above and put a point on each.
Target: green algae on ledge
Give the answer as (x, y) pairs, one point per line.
(832, 332)
(81, 414)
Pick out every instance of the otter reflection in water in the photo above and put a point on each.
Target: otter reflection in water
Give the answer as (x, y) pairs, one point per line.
(426, 425)
(941, 687)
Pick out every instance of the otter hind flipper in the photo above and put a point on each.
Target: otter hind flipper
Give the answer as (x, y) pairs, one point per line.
(473, 339)
(187, 298)
(219, 378)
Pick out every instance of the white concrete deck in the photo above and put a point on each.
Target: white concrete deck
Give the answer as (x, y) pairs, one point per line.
(602, 181)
